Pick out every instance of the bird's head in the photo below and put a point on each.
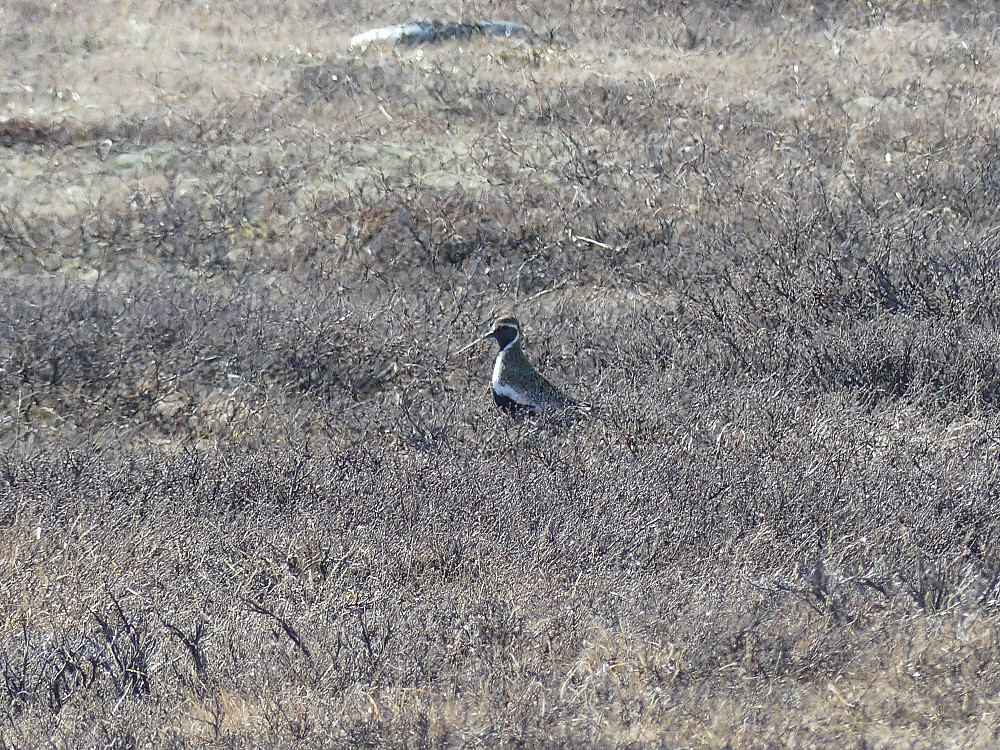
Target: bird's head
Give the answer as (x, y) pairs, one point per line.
(506, 331)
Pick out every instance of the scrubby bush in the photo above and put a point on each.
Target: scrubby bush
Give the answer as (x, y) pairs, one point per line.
(253, 492)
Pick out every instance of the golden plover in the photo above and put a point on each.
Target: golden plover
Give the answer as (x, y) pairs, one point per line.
(517, 385)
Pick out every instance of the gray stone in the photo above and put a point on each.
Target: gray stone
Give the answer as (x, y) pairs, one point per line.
(432, 32)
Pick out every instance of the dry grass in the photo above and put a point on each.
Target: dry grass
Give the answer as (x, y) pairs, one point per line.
(253, 496)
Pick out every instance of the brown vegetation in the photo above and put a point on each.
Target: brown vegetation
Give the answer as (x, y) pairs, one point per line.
(251, 495)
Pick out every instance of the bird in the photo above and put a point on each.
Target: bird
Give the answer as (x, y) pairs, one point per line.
(517, 385)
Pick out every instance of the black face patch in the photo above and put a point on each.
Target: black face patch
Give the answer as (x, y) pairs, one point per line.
(504, 335)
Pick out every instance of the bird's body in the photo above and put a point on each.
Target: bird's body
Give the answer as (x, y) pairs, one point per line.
(517, 385)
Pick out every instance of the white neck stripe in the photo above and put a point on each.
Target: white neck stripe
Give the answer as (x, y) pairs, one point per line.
(516, 338)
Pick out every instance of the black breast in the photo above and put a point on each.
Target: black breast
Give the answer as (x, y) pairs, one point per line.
(511, 406)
